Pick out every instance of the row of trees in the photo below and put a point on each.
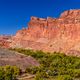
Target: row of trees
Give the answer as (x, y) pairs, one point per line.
(55, 66)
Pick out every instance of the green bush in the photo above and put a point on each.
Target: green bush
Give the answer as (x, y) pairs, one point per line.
(32, 70)
(41, 76)
(38, 76)
(65, 77)
(76, 73)
(2, 73)
(9, 72)
(53, 65)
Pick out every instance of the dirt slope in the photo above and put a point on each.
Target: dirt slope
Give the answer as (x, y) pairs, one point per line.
(13, 58)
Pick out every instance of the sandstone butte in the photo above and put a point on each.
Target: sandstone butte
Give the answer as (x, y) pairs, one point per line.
(50, 34)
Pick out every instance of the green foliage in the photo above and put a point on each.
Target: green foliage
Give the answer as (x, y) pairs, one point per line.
(32, 70)
(53, 65)
(38, 76)
(9, 72)
(1, 73)
(65, 77)
(76, 73)
(16, 71)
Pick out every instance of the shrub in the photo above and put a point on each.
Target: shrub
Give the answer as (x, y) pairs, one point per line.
(32, 70)
(9, 72)
(53, 65)
(1, 73)
(65, 77)
(38, 76)
(76, 73)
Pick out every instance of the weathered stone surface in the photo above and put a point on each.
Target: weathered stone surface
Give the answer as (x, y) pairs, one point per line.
(5, 41)
(12, 58)
(51, 34)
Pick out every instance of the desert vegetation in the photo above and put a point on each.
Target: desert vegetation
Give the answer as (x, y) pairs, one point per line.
(9, 72)
(53, 66)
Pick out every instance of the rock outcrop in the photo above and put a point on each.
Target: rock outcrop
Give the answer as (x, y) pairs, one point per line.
(5, 41)
(51, 34)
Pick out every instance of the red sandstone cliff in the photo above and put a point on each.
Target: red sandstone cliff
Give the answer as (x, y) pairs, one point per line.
(51, 34)
(5, 41)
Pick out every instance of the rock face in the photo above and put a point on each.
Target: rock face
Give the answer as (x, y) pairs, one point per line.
(51, 34)
(5, 41)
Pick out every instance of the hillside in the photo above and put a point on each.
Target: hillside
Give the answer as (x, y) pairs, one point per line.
(13, 58)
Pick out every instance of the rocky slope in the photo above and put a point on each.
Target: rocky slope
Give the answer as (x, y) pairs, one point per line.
(12, 58)
(51, 34)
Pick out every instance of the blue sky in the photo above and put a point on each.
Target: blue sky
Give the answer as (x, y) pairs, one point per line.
(15, 14)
